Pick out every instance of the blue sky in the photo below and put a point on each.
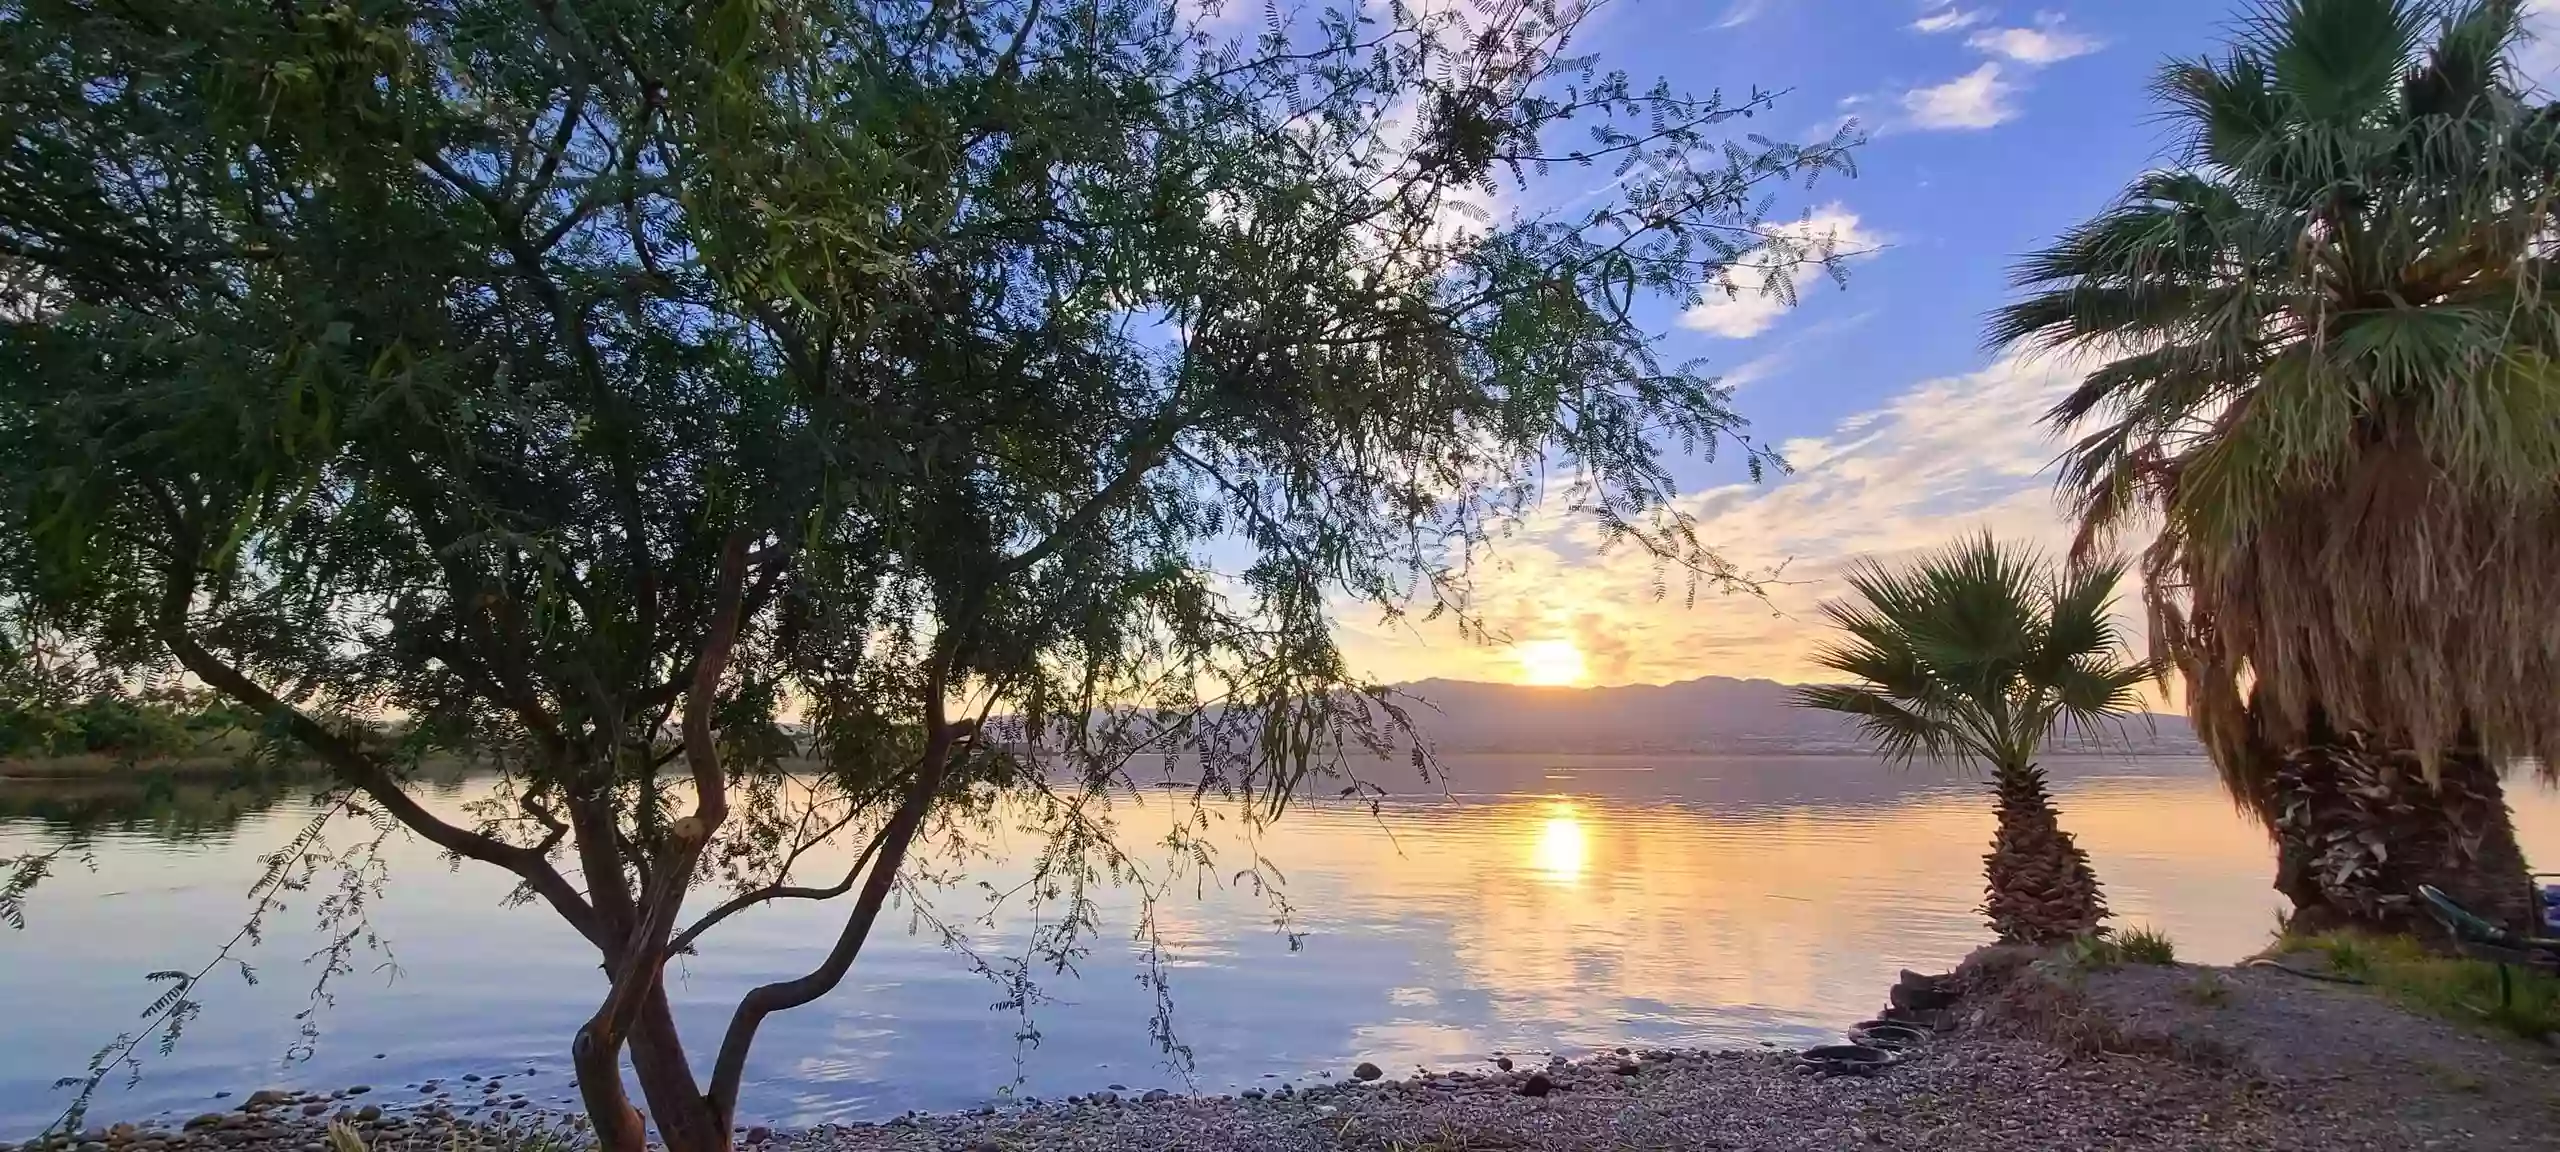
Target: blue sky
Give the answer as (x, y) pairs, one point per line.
(1993, 127)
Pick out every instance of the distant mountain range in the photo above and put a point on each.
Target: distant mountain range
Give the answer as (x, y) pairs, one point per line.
(1709, 714)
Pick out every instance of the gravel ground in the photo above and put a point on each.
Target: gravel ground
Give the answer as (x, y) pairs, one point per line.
(1959, 1095)
(2132, 1058)
(2394, 1078)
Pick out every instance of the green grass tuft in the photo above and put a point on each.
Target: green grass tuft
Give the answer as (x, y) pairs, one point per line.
(2096, 952)
(2146, 945)
(2102, 950)
(2453, 987)
(2207, 990)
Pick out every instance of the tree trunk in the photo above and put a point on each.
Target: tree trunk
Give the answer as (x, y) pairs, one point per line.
(2039, 886)
(2358, 829)
(686, 1121)
(619, 1127)
(685, 1118)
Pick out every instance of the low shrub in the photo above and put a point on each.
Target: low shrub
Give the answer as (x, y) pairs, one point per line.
(2454, 987)
(2146, 945)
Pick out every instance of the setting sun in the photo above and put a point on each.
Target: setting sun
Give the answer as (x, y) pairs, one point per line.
(1550, 662)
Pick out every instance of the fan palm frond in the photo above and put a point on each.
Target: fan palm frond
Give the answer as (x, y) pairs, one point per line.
(1977, 650)
(2325, 366)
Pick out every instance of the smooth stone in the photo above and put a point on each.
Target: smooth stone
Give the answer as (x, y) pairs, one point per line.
(314, 1109)
(369, 1113)
(1367, 1071)
(1502, 1062)
(1911, 999)
(206, 1120)
(759, 1134)
(1156, 1096)
(1253, 1093)
(1537, 1085)
(473, 1077)
(359, 1089)
(1119, 1087)
(270, 1096)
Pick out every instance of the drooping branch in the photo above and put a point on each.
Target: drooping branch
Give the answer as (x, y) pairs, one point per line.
(353, 763)
(1146, 451)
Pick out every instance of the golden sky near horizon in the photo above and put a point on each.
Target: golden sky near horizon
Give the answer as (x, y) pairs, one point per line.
(1945, 457)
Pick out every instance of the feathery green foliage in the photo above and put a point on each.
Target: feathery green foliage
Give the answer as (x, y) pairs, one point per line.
(2325, 367)
(603, 386)
(1978, 651)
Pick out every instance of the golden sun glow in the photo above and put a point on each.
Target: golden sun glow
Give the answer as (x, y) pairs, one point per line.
(1550, 662)
(1560, 850)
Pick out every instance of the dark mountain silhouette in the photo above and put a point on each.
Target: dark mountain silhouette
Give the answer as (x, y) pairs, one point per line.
(1708, 714)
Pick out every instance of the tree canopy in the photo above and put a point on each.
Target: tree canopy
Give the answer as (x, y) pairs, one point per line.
(1977, 651)
(674, 404)
(2324, 353)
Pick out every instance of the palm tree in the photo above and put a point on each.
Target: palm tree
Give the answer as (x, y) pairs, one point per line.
(1979, 652)
(2325, 373)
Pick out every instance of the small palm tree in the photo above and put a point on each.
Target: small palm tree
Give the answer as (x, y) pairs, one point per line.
(1981, 652)
(2329, 380)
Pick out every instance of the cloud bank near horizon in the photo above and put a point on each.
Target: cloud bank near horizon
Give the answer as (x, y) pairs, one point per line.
(1945, 457)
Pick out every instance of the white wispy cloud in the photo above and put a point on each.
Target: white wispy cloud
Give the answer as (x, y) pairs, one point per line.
(1784, 354)
(1741, 12)
(1945, 457)
(1978, 99)
(2048, 42)
(1749, 303)
(1753, 371)
(1950, 19)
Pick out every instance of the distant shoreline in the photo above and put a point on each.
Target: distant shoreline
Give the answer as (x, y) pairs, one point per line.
(100, 767)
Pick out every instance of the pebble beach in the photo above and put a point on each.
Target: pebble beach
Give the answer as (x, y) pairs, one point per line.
(2277, 1063)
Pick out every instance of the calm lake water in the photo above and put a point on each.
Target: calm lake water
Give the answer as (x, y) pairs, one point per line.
(1549, 902)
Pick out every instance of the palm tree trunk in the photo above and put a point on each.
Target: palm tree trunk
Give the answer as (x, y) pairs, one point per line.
(2039, 886)
(2358, 829)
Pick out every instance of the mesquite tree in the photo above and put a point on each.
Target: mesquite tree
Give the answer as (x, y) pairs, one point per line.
(720, 419)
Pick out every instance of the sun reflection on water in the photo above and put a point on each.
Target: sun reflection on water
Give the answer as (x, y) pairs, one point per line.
(1561, 847)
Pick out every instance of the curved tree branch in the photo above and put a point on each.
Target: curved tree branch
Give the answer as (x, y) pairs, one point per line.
(352, 763)
(772, 892)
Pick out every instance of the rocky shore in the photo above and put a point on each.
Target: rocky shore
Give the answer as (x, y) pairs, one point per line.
(2032, 1058)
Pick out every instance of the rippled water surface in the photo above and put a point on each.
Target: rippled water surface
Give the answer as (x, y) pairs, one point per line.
(1550, 902)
